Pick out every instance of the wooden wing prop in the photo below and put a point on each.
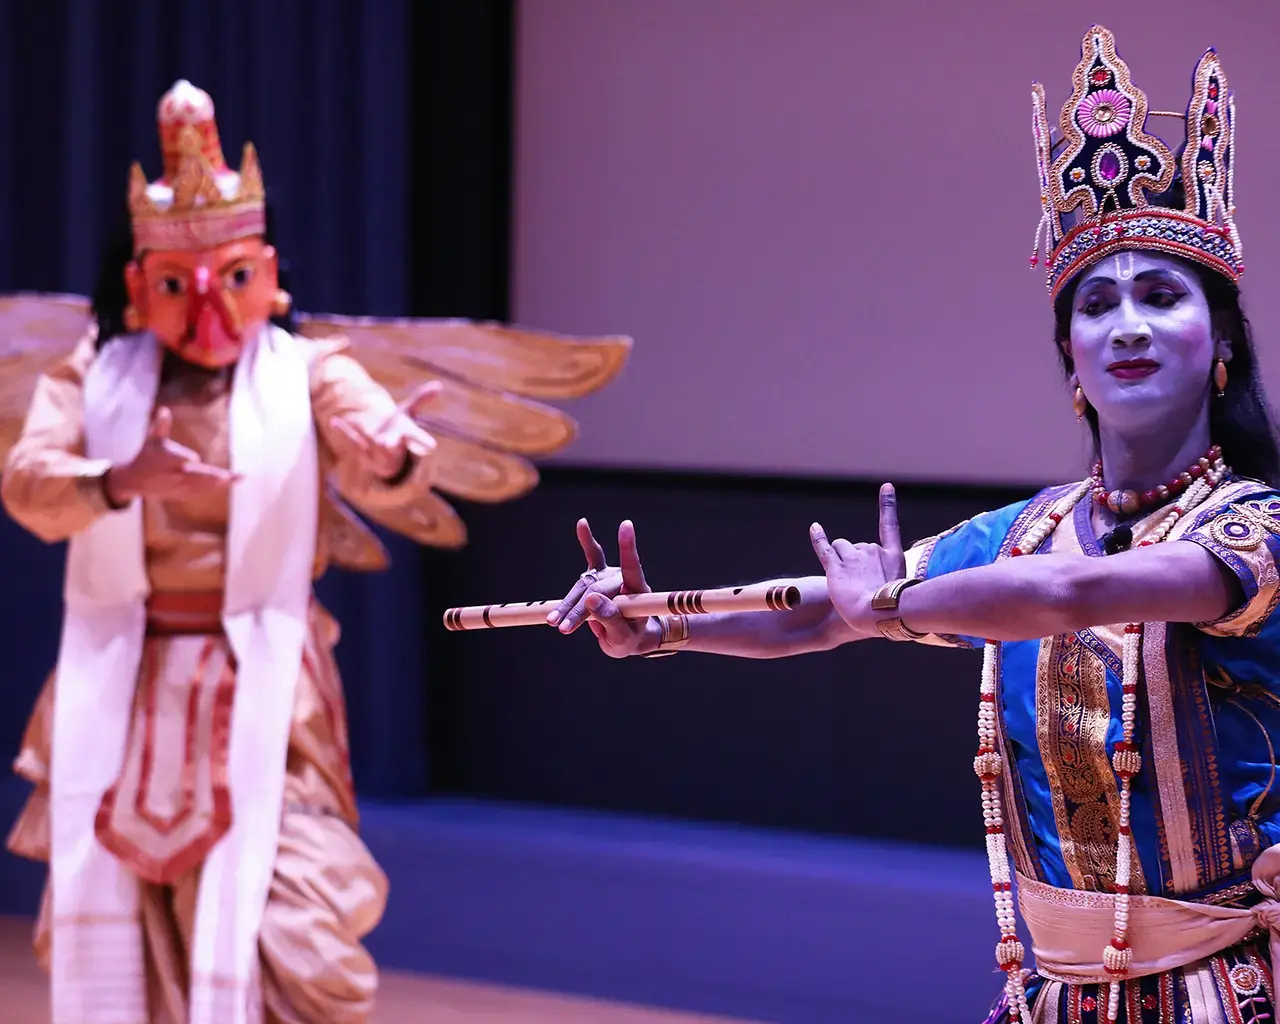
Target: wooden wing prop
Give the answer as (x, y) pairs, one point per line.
(36, 332)
(491, 417)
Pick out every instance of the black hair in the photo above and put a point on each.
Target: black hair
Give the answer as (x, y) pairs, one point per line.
(110, 296)
(1240, 422)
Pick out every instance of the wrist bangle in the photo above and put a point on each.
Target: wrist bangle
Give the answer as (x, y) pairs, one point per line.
(674, 638)
(886, 599)
(103, 487)
(403, 473)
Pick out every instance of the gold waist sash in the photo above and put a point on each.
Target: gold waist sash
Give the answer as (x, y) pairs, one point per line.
(1070, 927)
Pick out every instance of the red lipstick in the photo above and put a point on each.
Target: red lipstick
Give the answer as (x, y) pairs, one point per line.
(1133, 369)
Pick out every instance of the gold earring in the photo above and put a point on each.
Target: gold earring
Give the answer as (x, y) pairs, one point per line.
(1078, 402)
(281, 304)
(132, 319)
(1220, 376)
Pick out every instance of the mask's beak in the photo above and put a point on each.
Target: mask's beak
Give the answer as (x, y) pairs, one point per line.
(213, 323)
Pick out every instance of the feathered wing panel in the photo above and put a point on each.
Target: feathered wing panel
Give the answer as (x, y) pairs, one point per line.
(500, 419)
(535, 364)
(491, 415)
(477, 473)
(349, 542)
(431, 521)
(36, 331)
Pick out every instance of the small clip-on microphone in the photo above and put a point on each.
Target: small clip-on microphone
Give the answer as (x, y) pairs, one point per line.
(1117, 540)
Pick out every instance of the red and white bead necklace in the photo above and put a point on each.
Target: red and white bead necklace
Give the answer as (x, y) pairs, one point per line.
(1127, 502)
(1117, 958)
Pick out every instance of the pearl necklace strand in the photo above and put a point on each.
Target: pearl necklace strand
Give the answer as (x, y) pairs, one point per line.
(1117, 958)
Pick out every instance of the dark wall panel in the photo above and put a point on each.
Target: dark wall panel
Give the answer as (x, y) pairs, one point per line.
(874, 739)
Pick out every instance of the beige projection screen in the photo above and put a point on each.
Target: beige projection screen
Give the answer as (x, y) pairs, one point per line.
(815, 217)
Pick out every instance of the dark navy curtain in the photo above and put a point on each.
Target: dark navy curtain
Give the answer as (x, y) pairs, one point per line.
(329, 94)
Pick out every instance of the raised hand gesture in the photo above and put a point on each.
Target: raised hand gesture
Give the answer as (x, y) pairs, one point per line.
(856, 571)
(385, 450)
(590, 600)
(164, 469)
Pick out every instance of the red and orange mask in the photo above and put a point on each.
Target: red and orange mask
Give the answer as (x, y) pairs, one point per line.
(204, 305)
(203, 280)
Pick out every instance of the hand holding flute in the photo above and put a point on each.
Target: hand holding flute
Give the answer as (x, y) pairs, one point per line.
(628, 617)
(773, 619)
(823, 611)
(764, 620)
(590, 599)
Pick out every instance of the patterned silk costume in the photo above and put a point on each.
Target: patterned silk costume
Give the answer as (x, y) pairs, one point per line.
(1205, 804)
(1129, 770)
(189, 753)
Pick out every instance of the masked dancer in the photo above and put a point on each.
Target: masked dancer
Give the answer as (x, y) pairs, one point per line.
(197, 442)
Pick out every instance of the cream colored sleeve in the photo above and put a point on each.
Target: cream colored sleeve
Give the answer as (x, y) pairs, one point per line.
(340, 388)
(49, 487)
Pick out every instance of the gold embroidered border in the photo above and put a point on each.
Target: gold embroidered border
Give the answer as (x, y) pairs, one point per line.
(1080, 899)
(1202, 994)
(1135, 997)
(1168, 761)
(1073, 713)
(1237, 491)
(1046, 1009)
(1244, 980)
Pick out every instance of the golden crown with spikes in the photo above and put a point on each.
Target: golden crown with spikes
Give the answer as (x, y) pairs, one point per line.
(198, 202)
(1098, 176)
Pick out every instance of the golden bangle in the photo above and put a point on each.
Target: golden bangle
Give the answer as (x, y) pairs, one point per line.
(886, 599)
(896, 629)
(674, 637)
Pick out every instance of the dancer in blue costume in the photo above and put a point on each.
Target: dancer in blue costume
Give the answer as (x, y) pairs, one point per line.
(1130, 699)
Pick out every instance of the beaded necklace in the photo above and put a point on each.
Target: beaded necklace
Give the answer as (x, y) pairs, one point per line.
(1117, 957)
(1127, 502)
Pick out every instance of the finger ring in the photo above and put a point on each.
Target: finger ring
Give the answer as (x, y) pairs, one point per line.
(590, 576)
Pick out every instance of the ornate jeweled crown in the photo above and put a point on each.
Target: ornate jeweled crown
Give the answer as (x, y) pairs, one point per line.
(198, 201)
(1096, 192)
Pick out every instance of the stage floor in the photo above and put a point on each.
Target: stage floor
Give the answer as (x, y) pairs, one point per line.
(404, 998)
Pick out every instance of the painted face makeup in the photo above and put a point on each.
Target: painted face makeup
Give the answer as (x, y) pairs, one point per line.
(1142, 338)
